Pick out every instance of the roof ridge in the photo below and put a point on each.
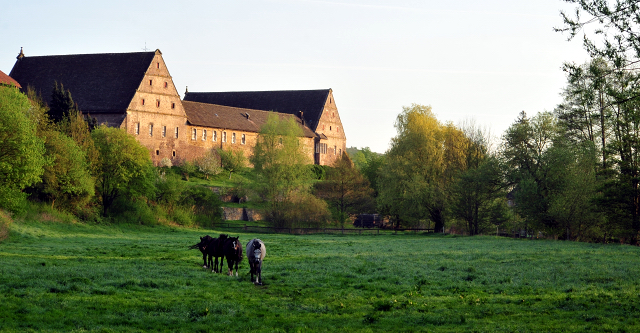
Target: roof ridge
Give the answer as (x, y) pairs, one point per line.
(254, 91)
(89, 54)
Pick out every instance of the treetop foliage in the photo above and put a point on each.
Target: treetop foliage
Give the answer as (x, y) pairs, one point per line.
(21, 150)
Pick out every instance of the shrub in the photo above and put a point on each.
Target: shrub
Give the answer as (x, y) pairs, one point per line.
(5, 222)
(303, 211)
(132, 211)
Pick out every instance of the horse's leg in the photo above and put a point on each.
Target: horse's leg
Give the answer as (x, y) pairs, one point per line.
(204, 260)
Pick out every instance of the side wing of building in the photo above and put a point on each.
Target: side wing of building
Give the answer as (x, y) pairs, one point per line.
(316, 108)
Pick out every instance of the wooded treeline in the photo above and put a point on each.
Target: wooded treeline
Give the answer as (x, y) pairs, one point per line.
(572, 173)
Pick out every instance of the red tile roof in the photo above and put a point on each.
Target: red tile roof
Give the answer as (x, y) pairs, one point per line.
(310, 102)
(6, 79)
(226, 117)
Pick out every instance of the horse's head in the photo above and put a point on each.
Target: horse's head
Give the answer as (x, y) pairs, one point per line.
(257, 250)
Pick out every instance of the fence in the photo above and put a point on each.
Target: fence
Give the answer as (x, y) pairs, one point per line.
(310, 231)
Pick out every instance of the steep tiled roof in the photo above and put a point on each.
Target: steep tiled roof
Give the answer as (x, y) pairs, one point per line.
(98, 82)
(220, 116)
(8, 80)
(310, 102)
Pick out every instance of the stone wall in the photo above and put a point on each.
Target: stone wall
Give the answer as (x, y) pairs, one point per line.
(241, 214)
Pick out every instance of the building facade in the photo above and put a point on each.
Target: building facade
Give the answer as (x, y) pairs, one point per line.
(135, 91)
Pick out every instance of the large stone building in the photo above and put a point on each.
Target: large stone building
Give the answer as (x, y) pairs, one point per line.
(135, 91)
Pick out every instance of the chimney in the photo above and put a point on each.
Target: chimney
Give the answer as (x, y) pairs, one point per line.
(21, 55)
(247, 114)
(186, 90)
(301, 114)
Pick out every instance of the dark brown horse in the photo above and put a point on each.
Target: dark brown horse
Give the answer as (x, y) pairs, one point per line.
(203, 246)
(216, 250)
(233, 253)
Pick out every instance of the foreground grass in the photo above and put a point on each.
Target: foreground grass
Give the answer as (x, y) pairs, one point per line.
(66, 277)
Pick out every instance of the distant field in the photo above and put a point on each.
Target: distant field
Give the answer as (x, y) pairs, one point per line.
(63, 277)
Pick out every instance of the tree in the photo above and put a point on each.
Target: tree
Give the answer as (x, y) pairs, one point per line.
(478, 193)
(61, 104)
(232, 160)
(21, 150)
(209, 164)
(67, 178)
(616, 29)
(369, 163)
(124, 166)
(280, 163)
(420, 167)
(346, 190)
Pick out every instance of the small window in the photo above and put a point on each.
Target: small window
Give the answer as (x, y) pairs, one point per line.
(157, 65)
(137, 128)
(143, 101)
(204, 135)
(338, 129)
(157, 152)
(164, 131)
(335, 149)
(176, 132)
(323, 127)
(173, 153)
(194, 134)
(224, 136)
(215, 136)
(233, 137)
(150, 82)
(173, 105)
(166, 84)
(150, 129)
(157, 103)
(243, 140)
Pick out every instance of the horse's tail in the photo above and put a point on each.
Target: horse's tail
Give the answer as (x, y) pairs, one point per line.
(195, 246)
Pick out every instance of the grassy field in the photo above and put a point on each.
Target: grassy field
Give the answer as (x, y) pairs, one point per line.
(75, 277)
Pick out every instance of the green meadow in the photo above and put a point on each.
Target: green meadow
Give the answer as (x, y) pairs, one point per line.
(77, 277)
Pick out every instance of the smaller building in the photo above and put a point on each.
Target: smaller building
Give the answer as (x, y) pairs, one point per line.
(8, 80)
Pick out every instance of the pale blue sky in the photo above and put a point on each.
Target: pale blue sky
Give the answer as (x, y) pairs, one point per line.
(482, 60)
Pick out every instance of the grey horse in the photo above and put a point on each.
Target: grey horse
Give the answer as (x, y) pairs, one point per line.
(255, 253)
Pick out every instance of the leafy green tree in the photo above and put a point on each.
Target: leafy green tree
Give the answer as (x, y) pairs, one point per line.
(232, 160)
(124, 167)
(346, 190)
(420, 168)
(21, 150)
(67, 178)
(369, 163)
(282, 175)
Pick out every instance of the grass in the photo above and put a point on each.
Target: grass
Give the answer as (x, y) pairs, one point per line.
(77, 277)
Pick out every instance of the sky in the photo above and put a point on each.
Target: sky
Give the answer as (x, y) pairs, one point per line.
(483, 61)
